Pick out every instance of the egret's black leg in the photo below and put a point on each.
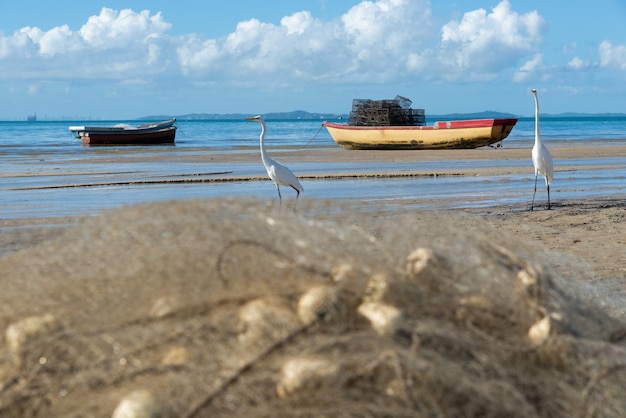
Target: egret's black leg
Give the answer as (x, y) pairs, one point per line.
(548, 186)
(532, 206)
(297, 196)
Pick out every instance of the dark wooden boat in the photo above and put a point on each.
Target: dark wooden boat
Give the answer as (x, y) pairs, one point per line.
(147, 134)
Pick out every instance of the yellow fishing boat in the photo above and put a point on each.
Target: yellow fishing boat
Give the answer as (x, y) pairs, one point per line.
(393, 124)
(455, 134)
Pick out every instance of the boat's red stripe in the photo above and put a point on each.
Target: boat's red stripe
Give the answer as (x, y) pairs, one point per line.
(453, 124)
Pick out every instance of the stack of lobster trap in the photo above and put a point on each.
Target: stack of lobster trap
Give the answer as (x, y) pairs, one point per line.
(396, 112)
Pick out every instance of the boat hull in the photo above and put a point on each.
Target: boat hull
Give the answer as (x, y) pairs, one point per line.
(129, 137)
(459, 134)
(82, 131)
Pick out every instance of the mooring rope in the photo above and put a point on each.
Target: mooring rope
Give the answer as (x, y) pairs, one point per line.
(311, 140)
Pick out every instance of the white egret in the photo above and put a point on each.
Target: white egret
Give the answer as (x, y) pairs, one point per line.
(542, 160)
(278, 173)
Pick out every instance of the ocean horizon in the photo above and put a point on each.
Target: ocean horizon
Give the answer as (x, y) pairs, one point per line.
(306, 115)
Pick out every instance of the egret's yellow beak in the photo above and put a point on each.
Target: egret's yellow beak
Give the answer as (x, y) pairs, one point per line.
(253, 118)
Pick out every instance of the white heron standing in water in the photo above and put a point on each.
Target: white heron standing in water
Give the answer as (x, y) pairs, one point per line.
(278, 173)
(542, 160)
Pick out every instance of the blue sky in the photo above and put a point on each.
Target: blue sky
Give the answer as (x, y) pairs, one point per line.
(127, 59)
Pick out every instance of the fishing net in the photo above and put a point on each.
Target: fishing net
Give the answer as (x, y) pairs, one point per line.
(243, 308)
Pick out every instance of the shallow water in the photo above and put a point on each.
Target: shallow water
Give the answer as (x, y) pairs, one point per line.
(64, 189)
(44, 171)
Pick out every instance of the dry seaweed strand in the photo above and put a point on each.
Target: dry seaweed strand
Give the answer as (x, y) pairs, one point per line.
(269, 249)
(206, 401)
(593, 382)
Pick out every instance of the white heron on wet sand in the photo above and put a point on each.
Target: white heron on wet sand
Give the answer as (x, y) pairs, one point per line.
(542, 160)
(278, 173)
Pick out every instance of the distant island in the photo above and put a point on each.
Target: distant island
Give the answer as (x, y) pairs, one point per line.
(304, 115)
(294, 115)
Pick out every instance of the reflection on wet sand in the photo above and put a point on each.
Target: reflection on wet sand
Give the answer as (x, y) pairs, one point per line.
(89, 183)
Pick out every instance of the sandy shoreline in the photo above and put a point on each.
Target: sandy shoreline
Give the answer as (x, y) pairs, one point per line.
(593, 231)
(125, 162)
(591, 228)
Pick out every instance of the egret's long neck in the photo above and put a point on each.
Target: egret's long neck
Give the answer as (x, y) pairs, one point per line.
(537, 137)
(264, 155)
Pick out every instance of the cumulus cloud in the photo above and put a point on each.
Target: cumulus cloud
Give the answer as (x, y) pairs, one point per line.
(483, 44)
(374, 41)
(385, 29)
(59, 41)
(21, 43)
(612, 56)
(577, 63)
(112, 29)
(371, 40)
(529, 69)
(108, 45)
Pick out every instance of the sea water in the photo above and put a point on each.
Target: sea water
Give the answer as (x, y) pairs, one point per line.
(37, 157)
(52, 136)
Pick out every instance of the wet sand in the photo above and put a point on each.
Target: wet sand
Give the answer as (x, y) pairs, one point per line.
(85, 183)
(201, 165)
(592, 228)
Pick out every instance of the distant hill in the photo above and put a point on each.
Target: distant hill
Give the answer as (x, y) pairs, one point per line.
(584, 115)
(304, 115)
(487, 114)
(294, 115)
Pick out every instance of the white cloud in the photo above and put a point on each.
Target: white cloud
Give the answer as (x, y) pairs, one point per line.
(253, 49)
(577, 63)
(298, 23)
(374, 41)
(112, 29)
(391, 28)
(21, 44)
(529, 69)
(482, 44)
(109, 45)
(197, 54)
(612, 56)
(370, 41)
(59, 40)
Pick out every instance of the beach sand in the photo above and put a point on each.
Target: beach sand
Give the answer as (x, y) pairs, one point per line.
(591, 228)
(216, 307)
